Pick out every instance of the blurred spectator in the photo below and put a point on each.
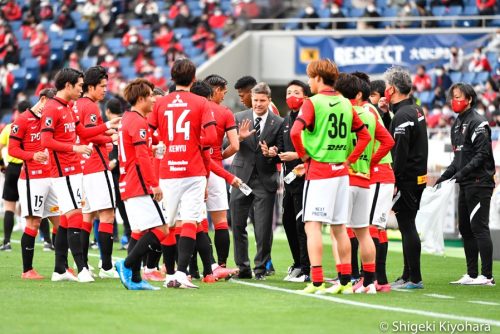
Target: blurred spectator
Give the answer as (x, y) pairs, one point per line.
(40, 49)
(217, 20)
(494, 44)
(120, 27)
(421, 7)
(90, 13)
(109, 62)
(479, 62)
(246, 9)
(310, 13)
(115, 81)
(490, 93)
(200, 36)
(422, 81)
(442, 83)
(74, 61)
(175, 9)
(144, 64)
(93, 48)
(456, 62)
(163, 37)
(46, 11)
(174, 52)
(6, 83)
(28, 29)
(486, 7)
(148, 11)
(102, 52)
(10, 54)
(209, 6)
(447, 3)
(158, 79)
(39, 36)
(212, 46)
(370, 11)
(44, 83)
(131, 37)
(11, 11)
(184, 18)
(64, 19)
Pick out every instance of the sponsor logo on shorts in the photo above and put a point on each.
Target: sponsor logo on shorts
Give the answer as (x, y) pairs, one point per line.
(54, 209)
(320, 212)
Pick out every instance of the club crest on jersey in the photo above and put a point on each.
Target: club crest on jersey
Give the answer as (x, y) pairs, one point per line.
(48, 121)
(15, 128)
(93, 118)
(142, 133)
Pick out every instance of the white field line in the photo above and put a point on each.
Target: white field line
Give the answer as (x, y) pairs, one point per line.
(435, 295)
(483, 303)
(373, 306)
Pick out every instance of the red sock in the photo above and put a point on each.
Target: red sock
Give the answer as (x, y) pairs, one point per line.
(369, 267)
(204, 224)
(87, 226)
(221, 226)
(105, 227)
(200, 228)
(382, 236)
(75, 221)
(350, 233)
(346, 269)
(189, 231)
(317, 275)
(178, 230)
(374, 232)
(159, 234)
(54, 230)
(337, 267)
(136, 235)
(170, 239)
(63, 222)
(30, 232)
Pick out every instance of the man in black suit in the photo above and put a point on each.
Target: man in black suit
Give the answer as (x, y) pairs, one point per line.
(261, 138)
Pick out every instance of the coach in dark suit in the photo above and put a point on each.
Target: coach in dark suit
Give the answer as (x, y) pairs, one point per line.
(261, 138)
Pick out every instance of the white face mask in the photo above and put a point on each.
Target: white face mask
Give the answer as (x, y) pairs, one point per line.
(439, 73)
(335, 10)
(108, 58)
(43, 80)
(133, 39)
(309, 10)
(371, 8)
(112, 70)
(480, 111)
(157, 74)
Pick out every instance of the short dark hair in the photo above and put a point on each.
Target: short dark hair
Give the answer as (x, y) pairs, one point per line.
(467, 90)
(305, 87)
(158, 91)
(201, 88)
(47, 92)
(115, 107)
(172, 87)
(246, 82)
(67, 75)
(93, 77)
(347, 85)
(136, 89)
(215, 80)
(377, 86)
(364, 84)
(183, 72)
(23, 106)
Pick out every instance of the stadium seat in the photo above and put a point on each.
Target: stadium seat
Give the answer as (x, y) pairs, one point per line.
(23, 44)
(76, 16)
(439, 10)
(87, 62)
(456, 77)
(135, 23)
(25, 54)
(56, 47)
(469, 11)
(146, 34)
(193, 51)
(182, 32)
(480, 78)
(389, 12)
(69, 38)
(20, 82)
(32, 70)
(468, 77)
(186, 42)
(226, 7)
(198, 60)
(125, 62)
(157, 51)
(46, 24)
(82, 32)
(115, 45)
(16, 25)
(219, 33)
(129, 72)
(33, 100)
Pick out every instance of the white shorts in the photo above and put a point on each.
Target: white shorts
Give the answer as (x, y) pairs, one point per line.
(326, 200)
(37, 198)
(184, 198)
(217, 194)
(359, 207)
(98, 192)
(381, 198)
(144, 213)
(68, 190)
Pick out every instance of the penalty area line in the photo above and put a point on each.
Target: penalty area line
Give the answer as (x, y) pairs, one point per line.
(372, 306)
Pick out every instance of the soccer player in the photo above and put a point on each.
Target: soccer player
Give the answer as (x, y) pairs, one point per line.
(217, 201)
(37, 196)
(60, 127)
(359, 179)
(320, 137)
(98, 186)
(139, 186)
(180, 117)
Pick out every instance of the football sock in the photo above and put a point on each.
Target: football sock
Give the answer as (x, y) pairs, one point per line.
(369, 273)
(222, 242)
(153, 260)
(193, 264)
(151, 241)
(136, 270)
(8, 225)
(54, 233)
(74, 239)
(337, 267)
(203, 247)
(345, 273)
(317, 275)
(28, 248)
(85, 240)
(169, 249)
(61, 245)
(186, 245)
(45, 230)
(105, 236)
(381, 258)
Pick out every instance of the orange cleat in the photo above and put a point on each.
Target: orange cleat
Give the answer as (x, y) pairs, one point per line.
(31, 274)
(154, 276)
(209, 279)
(71, 271)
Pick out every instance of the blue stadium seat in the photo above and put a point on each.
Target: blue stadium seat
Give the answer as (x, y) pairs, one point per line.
(192, 51)
(468, 77)
(20, 82)
(129, 72)
(426, 97)
(87, 62)
(356, 12)
(157, 51)
(317, 4)
(226, 7)
(33, 100)
(69, 38)
(438, 10)
(76, 16)
(125, 62)
(32, 70)
(480, 78)
(186, 42)
(198, 60)
(135, 23)
(146, 34)
(469, 11)
(25, 54)
(219, 33)
(454, 11)
(82, 32)
(182, 32)
(46, 25)
(115, 45)
(455, 76)
(24, 44)
(56, 47)
(16, 25)
(493, 23)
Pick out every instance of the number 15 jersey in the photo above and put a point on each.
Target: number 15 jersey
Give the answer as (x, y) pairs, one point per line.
(179, 118)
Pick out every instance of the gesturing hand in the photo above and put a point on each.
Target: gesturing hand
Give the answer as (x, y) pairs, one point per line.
(245, 131)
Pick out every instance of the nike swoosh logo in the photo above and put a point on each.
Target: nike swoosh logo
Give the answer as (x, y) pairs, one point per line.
(333, 105)
(29, 249)
(76, 232)
(33, 127)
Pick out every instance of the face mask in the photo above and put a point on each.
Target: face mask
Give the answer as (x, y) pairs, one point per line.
(157, 75)
(459, 105)
(108, 58)
(439, 73)
(335, 10)
(294, 103)
(387, 95)
(43, 80)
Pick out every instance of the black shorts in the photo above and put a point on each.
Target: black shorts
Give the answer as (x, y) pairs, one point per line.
(10, 192)
(408, 199)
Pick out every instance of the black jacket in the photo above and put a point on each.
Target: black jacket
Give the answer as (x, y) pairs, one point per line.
(297, 185)
(409, 154)
(473, 163)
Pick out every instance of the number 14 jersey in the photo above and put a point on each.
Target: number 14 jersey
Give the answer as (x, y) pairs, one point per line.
(179, 118)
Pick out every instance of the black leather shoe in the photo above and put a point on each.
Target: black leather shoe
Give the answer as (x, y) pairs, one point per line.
(244, 274)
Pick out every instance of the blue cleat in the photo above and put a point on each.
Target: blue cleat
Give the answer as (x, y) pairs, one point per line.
(142, 285)
(411, 285)
(124, 273)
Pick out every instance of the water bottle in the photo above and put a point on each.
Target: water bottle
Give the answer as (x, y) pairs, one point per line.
(160, 150)
(46, 152)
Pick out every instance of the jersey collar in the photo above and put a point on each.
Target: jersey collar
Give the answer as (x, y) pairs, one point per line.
(61, 101)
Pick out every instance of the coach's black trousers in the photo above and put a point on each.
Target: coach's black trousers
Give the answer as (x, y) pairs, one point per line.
(294, 229)
(473, 220)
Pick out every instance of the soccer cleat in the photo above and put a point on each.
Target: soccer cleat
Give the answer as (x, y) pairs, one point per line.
(482, 280)
(184, 281)
(209, 279)
(292, 273)
(358, 283)
(170, 282)
(221, 272)
(85, 276)
(31, 274)
(398, 283)
(66, 276)
(142, 285)
(371, 289)
(465, 279)
(153, 275)
(111, 273)
(382, 287)
(411, 286)
(300, 279)
(340, 289)
(6, 247)
(312, 289)
(48, 247)
(124, 273)
(71, 271)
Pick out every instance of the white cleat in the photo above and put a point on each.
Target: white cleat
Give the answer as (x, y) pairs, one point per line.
(465, 280)
(171, 282)
(111, 273)
(482, 280)
(370, 289)
(293, 273)
(183, 280)
(66, 276)
(85, 276)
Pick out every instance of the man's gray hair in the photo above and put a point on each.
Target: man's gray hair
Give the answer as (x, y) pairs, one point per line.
(400, 78)
(262, 88)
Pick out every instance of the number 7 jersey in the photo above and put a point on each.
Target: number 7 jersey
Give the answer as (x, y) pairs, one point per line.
(179, 118)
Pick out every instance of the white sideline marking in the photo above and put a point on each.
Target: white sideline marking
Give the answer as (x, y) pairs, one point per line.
(373, 306)
(483, 303)
(435, 295)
